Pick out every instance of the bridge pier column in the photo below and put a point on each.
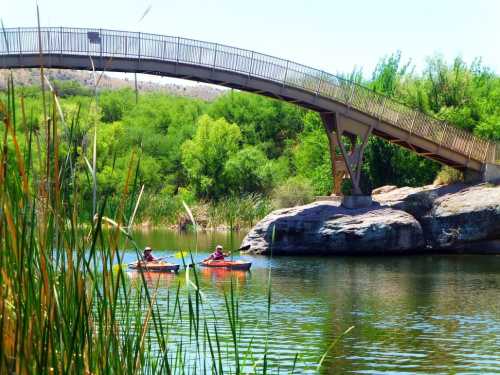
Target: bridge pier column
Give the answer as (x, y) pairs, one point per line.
(350, 160)
(489, 174)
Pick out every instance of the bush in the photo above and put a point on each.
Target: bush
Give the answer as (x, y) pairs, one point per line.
(294, 192)
(159, 208)
(448, 175)
(346, 187)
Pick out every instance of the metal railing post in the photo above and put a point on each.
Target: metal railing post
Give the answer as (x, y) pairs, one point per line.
(320, 81)
(444, 130)
(49, 44)
(100, 48)
(348, 103)
(471, 148)
(381, 114)
(177, 47)
(251, 65)
(286, 72)
(4, 37)
(412, 123)
(215, 57)
(397, 118)
(139, 48)
(60, 40)
(177, 50)
(19, 40)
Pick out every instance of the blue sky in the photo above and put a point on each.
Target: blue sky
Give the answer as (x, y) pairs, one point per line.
(332, 35)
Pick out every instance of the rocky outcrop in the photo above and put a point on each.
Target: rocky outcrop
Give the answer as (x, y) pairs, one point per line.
(401, 221)
(418, 201)
(328, 228)
(467, 216)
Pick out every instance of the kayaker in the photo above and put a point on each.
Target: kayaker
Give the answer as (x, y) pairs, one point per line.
(218, 254)
(148, 255)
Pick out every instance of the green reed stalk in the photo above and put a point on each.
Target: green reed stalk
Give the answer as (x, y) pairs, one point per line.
(66, 303)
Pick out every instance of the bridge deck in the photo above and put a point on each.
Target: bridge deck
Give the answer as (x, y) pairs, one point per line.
(70, 48)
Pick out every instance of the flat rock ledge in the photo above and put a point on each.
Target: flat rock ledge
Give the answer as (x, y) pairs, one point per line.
(401, 221)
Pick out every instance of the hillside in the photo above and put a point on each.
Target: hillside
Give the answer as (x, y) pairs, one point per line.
(28, 77)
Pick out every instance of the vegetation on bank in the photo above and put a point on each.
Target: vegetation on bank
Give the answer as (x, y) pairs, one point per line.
(244, 152)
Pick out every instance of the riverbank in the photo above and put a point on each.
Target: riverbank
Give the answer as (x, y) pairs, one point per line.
(446, 218)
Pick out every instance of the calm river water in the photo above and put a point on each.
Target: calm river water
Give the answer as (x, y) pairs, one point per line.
(420, 314)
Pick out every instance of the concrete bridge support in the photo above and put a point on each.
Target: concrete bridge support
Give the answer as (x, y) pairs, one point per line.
(351, 160)
(490, 174)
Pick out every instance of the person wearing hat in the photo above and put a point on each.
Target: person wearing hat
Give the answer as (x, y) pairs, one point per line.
(148, 254)
(217, 254)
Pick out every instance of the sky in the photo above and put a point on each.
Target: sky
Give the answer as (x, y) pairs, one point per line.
(335, 36)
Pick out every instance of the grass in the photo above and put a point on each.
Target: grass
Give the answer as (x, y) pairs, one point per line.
(295, 191)
(232, 213)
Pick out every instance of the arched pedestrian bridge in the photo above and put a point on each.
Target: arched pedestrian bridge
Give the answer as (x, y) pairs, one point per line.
(346, 107)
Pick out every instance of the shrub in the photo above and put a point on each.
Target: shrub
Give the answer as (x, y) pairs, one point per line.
(346, 187)
(294, 192)
(448, 175)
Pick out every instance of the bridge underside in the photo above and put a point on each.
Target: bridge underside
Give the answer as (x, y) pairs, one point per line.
(354, 122)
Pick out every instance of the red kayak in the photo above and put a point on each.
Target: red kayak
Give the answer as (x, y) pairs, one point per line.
(228, 264)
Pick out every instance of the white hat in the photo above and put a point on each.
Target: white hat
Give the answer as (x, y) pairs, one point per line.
(218, 247)
(147, 248)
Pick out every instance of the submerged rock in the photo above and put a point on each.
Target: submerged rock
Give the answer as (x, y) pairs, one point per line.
(401, 221)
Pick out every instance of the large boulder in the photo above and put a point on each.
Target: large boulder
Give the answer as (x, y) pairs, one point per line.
(417, 201)
(470, 215)
(326, 228)
(402, 220)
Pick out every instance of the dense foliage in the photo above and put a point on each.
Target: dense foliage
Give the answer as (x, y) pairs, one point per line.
(244, 145)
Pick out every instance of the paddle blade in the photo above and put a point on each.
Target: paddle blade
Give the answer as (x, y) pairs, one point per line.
(181, 254)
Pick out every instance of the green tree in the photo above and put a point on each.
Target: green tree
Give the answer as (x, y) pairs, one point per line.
(249, 171)
(204, 157)
(265, 123)
(312, 155)
(115, 103)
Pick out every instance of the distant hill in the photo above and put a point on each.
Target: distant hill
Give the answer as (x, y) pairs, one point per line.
(27, 77)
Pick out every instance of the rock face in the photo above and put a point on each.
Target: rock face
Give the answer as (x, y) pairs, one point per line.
(401, 221)
(467, 216)
(328, 228)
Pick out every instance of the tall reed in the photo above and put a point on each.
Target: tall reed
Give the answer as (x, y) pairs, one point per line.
(66, 304)
(65, 307)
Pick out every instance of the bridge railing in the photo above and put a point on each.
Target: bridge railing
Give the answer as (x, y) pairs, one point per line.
(100, 43)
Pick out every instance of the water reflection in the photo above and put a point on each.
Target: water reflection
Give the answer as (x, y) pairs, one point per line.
(154, 279)
(220, 276)
(427, 314)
